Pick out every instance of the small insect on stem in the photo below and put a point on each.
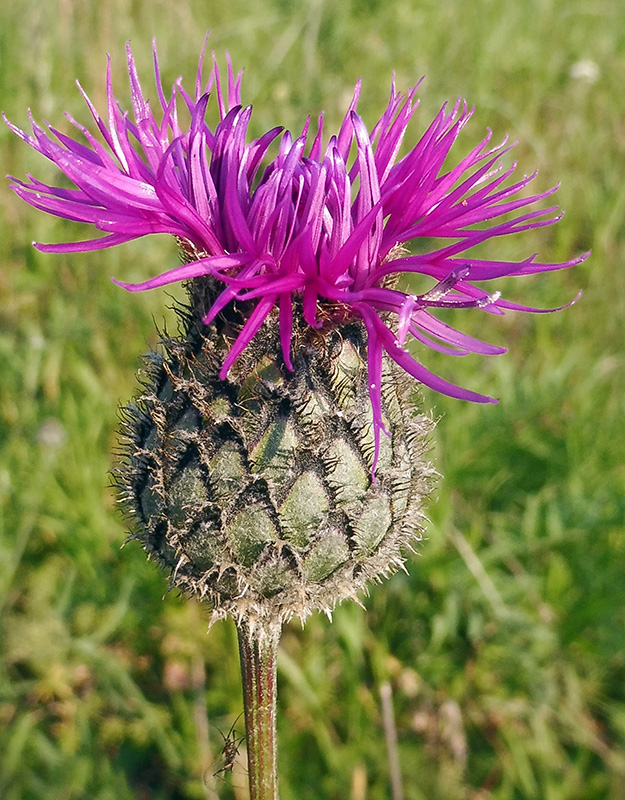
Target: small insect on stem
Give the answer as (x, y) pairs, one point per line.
(230, 750)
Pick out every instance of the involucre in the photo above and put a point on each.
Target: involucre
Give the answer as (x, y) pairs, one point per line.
(256, 492)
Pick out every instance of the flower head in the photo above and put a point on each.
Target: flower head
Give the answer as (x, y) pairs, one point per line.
(320, 230)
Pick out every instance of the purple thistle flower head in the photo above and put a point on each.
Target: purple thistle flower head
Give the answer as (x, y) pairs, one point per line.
(319, 230)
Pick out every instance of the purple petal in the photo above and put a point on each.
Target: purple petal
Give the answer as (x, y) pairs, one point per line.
(204, 266)
(250, 329)
(85, 246)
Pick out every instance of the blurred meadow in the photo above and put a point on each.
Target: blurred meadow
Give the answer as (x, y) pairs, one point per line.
(504, 646)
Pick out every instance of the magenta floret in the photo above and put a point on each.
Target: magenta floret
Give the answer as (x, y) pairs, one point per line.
(326, 227)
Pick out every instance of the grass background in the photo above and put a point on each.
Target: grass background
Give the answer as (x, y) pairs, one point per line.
(504, 647)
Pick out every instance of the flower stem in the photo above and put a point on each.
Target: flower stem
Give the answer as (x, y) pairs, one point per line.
(258, 649)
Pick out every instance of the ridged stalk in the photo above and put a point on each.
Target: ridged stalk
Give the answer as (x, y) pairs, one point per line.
(258, 650)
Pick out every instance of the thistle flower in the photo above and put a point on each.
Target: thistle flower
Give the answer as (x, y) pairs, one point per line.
(292, 262)
(275, 458)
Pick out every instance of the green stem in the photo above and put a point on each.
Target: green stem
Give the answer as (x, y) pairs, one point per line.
(258, 649)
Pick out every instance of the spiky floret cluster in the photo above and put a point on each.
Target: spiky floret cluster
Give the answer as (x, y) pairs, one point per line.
(320, 229)
(254, 491)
